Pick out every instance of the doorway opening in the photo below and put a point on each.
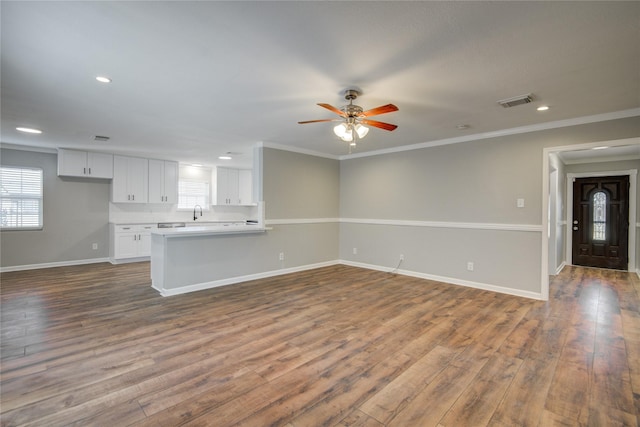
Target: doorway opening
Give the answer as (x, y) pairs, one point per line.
(556, 248)
(600, 225)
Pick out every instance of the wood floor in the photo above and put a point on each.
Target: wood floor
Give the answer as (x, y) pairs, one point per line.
(336, 346)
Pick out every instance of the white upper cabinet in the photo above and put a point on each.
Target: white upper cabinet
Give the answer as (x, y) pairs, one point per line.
(233, 187)
(85, 164)
(245, 187)
(130, 180)
(163, 181)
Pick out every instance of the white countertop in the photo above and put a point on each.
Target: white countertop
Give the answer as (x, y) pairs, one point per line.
(207, 230)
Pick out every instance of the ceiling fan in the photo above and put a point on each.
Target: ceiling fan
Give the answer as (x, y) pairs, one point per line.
(354, 118)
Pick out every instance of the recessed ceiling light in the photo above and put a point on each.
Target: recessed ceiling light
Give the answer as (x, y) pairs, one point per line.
(103, 79)
(543, 108)
(225, 157)
(28, 130)
(462, 127)
(600, 148)
(197, 165)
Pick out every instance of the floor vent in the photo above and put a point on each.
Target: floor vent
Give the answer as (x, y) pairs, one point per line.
(516, 100)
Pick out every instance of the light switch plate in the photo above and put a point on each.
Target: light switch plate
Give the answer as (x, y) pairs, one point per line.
(520, 203)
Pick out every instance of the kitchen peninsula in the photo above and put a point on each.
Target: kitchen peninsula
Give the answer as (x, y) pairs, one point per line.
(195, 258)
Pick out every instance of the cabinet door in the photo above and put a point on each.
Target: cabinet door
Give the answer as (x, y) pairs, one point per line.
(100, 165)
(245, 184)
(119, 189)
(72, 163)
(130, 180)
(126, 245)
(222, 186)
(144, 242)
(171, 182)
(233, 189)
(137, 179)
(156, 181)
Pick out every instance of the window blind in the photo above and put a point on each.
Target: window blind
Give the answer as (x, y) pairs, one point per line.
(20, 198)
(191, 193)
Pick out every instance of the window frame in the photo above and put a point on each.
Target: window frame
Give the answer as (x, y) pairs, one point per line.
(194, 174)
(21, 198)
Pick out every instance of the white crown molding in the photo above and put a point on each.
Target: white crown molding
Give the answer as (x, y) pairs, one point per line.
(296, 150)
(504, 132)
(47, 150)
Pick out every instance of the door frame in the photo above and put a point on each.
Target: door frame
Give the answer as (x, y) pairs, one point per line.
(546, 169)
(631, 242)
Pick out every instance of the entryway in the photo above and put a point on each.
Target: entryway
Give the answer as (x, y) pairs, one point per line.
(600, 225)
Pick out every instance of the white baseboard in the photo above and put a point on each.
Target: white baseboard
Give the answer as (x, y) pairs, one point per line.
(272, 273)
(559, 269)
(53, 264)
(128, 260)
(239, 279)
(449, 280)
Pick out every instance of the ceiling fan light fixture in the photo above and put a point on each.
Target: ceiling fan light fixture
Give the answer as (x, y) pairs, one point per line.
(340, 130)
(361, 130)
(348, 135)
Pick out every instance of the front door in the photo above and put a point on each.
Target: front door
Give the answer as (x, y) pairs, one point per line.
(601, 222)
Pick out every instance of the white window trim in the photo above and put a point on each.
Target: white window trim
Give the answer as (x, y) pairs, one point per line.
(26, 197)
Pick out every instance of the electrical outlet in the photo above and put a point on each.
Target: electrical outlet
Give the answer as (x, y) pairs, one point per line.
(281, 256)
(355, 251)
(94, 246)
(470, 266)
(401, 257)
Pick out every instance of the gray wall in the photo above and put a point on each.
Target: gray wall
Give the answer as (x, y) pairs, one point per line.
(299, 186)
(476, 182)
(301, 195)
(76, 214)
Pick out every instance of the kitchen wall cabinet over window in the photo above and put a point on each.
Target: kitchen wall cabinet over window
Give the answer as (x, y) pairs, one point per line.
(163, 182)
(130, 180)
(233, 187)
(85, 164)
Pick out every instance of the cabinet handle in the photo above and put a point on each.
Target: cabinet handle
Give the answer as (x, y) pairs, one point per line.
(135, 237)
(89, 171)
(84, 171)
(128, 196)
(133, 197)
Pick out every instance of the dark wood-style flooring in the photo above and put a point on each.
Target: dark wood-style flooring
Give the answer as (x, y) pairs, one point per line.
(337, 346)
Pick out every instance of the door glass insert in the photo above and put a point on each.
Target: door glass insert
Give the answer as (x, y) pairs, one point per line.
(599, 216)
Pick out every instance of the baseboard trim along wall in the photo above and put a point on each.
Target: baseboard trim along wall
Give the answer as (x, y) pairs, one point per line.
(448, 280)
(239, 279)
(53, 264)
(273, 273)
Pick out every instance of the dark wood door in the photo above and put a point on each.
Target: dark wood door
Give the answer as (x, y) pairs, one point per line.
(601, 222)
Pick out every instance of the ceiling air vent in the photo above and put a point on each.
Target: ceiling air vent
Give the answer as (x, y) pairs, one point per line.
(516, 100)
(101, 138)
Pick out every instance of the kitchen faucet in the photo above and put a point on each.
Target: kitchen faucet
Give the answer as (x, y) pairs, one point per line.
(194, 211)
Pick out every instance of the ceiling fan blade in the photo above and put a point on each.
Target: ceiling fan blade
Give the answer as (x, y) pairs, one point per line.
(334, 109)
(381, 125)
(379, 110)
(317, 121)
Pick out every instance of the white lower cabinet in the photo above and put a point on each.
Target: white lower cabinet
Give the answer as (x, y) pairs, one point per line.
(130, 241)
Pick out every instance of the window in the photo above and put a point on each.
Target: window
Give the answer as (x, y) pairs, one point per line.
(194, 187)
(600, 216)
(20, 198)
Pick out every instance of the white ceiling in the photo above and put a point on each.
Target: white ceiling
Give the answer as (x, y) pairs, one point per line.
(194, 80)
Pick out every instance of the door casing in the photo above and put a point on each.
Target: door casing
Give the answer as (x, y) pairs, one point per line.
(631, 241)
